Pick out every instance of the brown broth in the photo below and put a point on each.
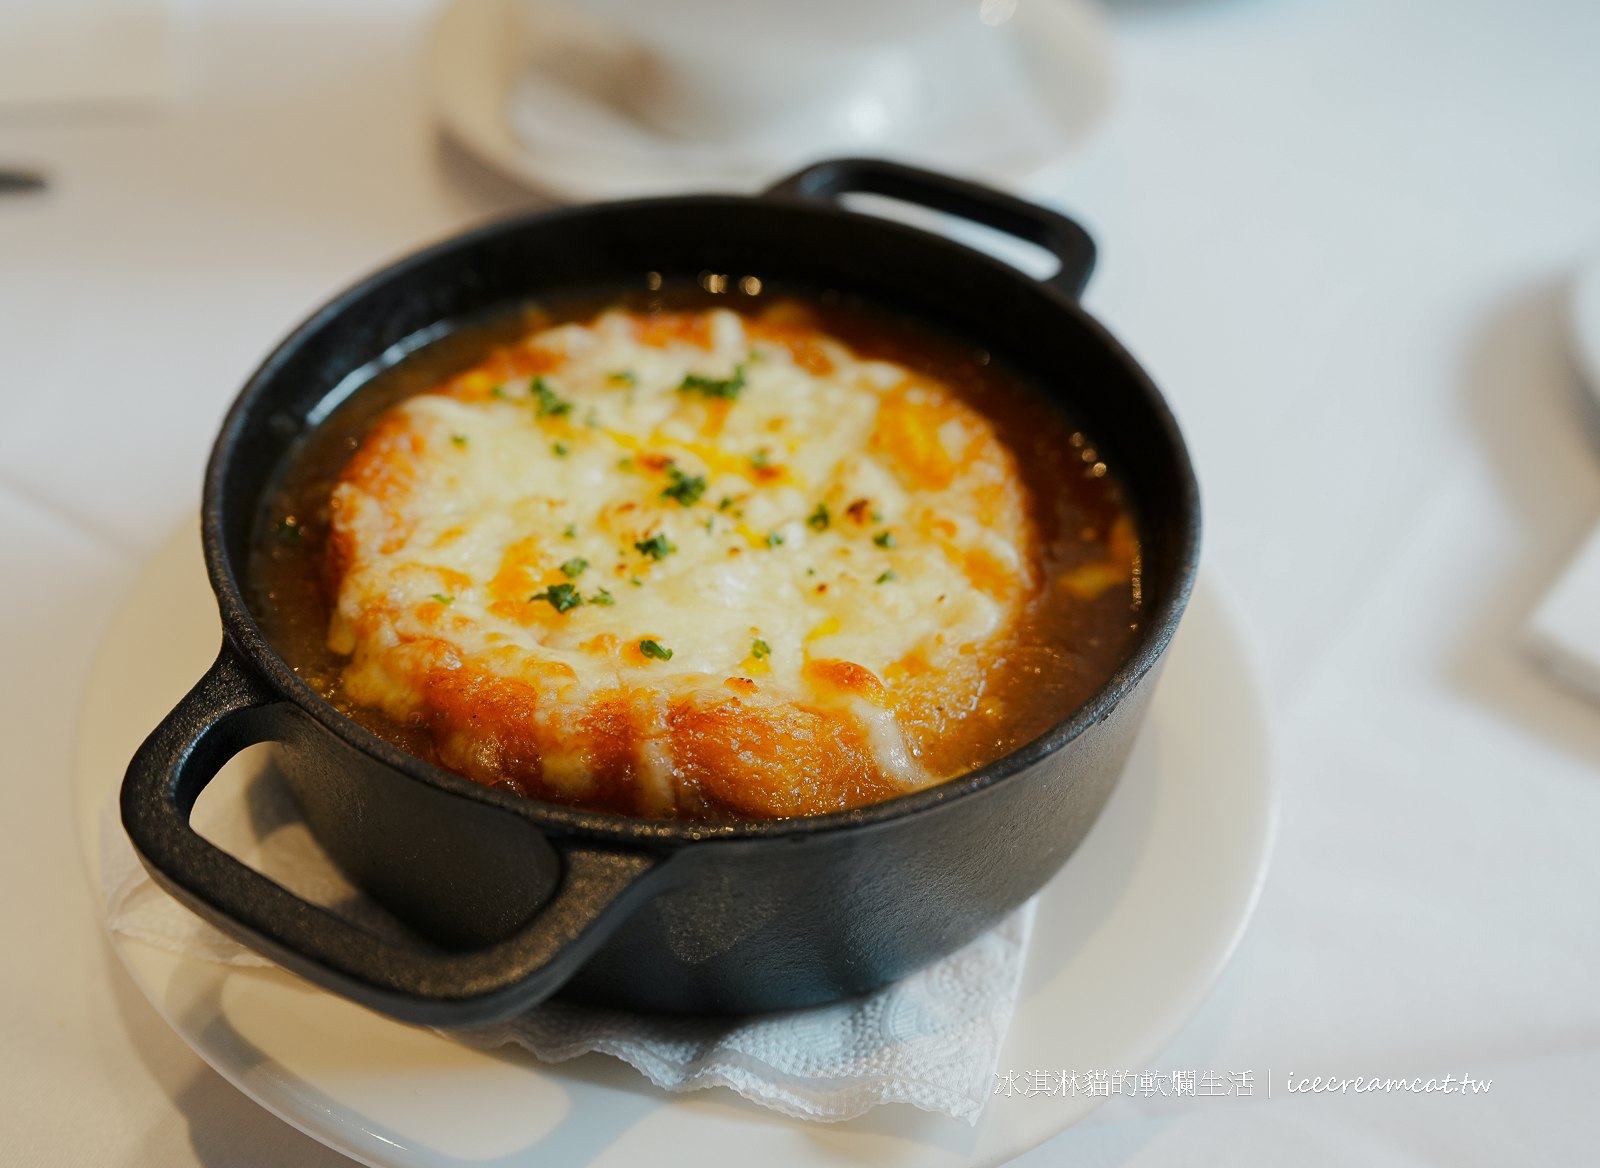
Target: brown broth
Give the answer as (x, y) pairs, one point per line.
(1059, 654)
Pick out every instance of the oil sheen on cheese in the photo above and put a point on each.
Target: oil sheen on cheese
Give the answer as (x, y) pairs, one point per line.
(680, 565)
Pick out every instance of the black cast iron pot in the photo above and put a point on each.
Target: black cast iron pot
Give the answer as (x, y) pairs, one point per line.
(516, 898)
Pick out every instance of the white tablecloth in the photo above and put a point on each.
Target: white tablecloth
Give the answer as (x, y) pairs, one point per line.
(1337, 234)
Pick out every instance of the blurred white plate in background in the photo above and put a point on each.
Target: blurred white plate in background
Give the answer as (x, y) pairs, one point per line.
(999, 105)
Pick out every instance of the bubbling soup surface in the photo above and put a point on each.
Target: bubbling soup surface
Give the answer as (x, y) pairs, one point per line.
(696, 563)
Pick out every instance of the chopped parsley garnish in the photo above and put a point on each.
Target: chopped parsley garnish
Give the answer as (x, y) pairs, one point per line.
(549, 405)
(572, 569)
(655, 649)
(656, 547)
(560, 449)
(571, 532)
(442, 598)
(889, 575)
(624, 464)
(884, 539)
(687, 489)
(759, 459)
(818, 520)
(622, 377)
(562, 597)
(602, 598)
(774, 538)
(459, 439)
(498, 391)
(725, 504)
(759, 649)
(635, 581)
(725, 387)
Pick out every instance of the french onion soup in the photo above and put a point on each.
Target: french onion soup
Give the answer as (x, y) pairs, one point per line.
(681, 561)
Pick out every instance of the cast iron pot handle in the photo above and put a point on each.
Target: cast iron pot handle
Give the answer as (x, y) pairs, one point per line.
(229, 709)
(1057, 234)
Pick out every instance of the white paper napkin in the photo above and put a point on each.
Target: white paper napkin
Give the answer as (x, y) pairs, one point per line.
(1564, 633)
(931, 1040)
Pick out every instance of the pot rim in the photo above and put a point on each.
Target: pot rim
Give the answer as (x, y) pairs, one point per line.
(241, 630)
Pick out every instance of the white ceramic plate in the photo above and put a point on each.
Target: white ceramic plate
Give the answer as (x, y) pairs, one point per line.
(1129, 938)
(1001, 116)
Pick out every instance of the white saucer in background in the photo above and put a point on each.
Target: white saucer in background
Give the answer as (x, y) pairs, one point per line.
(1128, 940)
(1024, 102)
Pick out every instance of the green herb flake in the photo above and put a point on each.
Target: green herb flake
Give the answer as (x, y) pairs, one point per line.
(498, 391)
(624, 464)
(459, 439)
(562, 597)
(546, 401)
(656, 547)
(442, 598)
(572, 569)
(571, 532)
(709, 523)
(560, 449)
(635, 581)
(655, 649)
(886, 577)
(877, 517)
(818, 520)
(884, 539)
(726, 387)
(774, 539)
(288, 530)
(622, 377)
(759, 459)
(686, 489)
(759, 650)
(725, 504)
(603, 598)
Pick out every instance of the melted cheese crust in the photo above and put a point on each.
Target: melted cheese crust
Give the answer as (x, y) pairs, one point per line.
(680, 565)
